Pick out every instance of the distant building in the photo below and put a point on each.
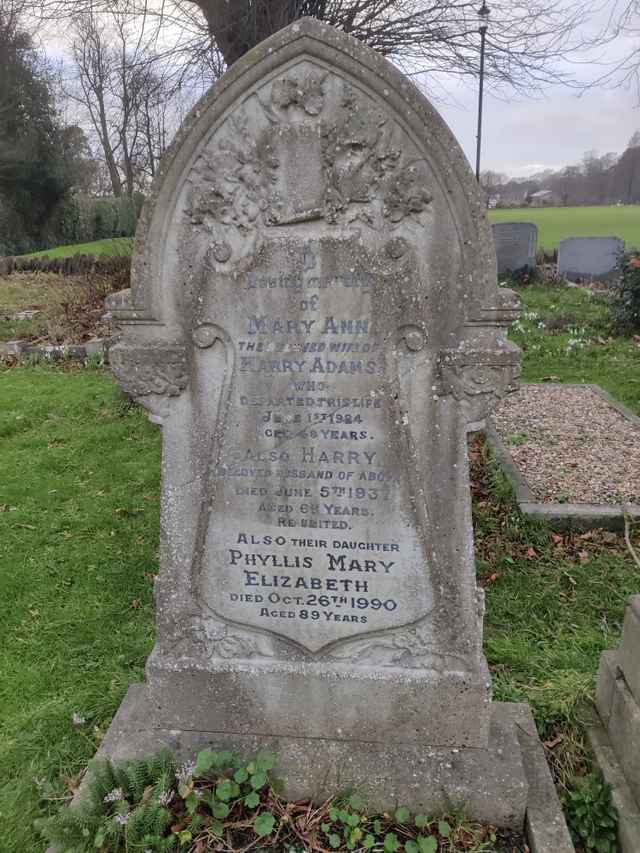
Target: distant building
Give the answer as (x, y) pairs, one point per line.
(543, 198)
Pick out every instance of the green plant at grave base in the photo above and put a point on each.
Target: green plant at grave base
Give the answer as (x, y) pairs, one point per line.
(220, 802)
(521, 278)
(592, 817)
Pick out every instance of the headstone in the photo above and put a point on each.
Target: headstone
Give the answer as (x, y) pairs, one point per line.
(616, 742)
(315, 321)
(588, 257)
(516, 245)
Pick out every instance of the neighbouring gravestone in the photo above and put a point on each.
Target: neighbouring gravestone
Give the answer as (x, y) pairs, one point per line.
(516, 245)
(617, 742)
(588, 257)
(315, 321)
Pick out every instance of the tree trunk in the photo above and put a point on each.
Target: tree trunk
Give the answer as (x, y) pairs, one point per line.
(238, 25)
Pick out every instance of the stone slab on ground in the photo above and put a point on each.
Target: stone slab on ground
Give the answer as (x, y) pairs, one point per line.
(575, 441)
(439, 779)
(490, 782)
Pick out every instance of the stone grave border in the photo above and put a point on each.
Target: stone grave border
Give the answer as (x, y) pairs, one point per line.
(23, 350)
(564, 516)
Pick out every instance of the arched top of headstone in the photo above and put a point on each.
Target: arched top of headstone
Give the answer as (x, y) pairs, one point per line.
(315, 319)
(309, 86)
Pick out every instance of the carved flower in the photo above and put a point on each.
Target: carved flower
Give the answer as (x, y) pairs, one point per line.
(406, 194)
(307, 94)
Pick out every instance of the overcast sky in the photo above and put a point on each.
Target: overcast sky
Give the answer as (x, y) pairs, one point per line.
(523, 135)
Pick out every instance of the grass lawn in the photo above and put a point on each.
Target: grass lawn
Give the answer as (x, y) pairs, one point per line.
(113, 247)
(78, 550)
(78, 544)
(565, 337)
(556, 223)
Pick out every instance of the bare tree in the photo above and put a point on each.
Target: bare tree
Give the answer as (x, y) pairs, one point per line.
(125, 92)
(525, 41)
(95, 75)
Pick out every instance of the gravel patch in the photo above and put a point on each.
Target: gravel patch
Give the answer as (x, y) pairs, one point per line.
(570, 445)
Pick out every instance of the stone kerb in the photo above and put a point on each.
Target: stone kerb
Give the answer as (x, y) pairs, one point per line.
(586, 258)
(564, 516)
(314, 321)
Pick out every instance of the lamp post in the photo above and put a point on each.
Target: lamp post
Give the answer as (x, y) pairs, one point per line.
(483, 25)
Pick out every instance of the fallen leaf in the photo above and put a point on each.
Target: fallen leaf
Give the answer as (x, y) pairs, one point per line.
(584, 556)
(531, 553)
(135, 604)
(557, 538)
(551, 378)
(550, 744)
(72, 783)
(4, 507)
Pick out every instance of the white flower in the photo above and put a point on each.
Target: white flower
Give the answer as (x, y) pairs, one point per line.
(114, 796)
(186, 772)
(77, 719)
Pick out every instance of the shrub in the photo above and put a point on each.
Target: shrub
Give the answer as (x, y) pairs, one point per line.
(626, 307)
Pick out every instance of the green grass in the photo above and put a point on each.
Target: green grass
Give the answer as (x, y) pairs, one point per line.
(78, 531)
(565, 337)
(557, 223)
(115, 247)
(79, 534)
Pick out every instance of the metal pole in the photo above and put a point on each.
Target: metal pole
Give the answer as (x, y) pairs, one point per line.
(483, 35)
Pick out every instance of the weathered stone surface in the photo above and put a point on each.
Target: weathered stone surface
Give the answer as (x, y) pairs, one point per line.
(616, 742)
(624, 733)
(314, 320)
(629, 651)
(588, 257)
(491, 783)
(605, 686)
(621, 795)
(516, 245)
(546, 827)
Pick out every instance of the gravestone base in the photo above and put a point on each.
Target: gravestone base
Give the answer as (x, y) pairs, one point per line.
(448, 708)
(489, 783)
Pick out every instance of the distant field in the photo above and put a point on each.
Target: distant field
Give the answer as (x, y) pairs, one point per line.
(556, 223)
(112, 248)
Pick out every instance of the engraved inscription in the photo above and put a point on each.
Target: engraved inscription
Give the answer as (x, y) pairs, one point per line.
(312, 532)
